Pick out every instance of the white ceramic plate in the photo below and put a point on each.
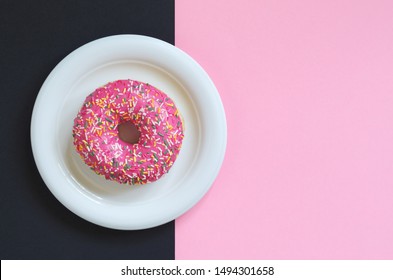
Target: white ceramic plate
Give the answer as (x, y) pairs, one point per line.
(107, 203)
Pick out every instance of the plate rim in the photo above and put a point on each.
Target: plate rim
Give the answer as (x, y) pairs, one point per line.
(130, 38)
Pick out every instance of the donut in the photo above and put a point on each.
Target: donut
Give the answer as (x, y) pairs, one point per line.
(146, 108)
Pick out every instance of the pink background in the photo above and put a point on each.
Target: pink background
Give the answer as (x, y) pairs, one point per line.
(308, 91)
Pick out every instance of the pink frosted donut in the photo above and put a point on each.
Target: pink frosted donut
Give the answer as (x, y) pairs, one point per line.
(150, 110)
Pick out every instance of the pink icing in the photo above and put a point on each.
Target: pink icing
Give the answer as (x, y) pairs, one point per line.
(150, 110)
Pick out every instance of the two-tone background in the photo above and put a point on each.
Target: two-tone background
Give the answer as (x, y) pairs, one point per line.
(308, 91)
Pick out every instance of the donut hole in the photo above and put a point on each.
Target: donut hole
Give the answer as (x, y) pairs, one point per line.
(128, 132)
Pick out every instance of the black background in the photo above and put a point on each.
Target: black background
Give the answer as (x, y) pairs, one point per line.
(35, 36)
